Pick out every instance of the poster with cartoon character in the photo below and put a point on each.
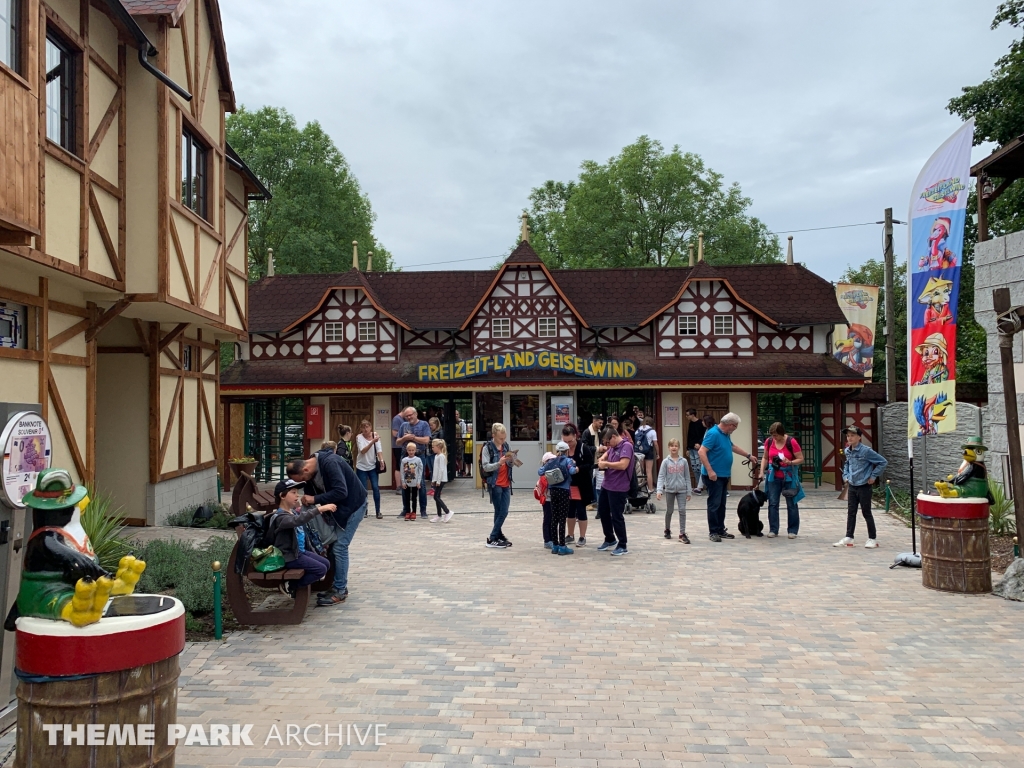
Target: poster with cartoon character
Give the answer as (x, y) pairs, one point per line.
(938, 212)
(854, 344)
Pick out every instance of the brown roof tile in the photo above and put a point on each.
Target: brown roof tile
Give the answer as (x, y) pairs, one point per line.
(791, 295)
(171, 8)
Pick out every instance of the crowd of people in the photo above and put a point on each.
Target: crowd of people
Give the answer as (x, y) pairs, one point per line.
(324, 498)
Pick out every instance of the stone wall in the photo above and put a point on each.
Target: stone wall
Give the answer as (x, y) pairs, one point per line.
(935, 456)
(172, 495)
(998, 263)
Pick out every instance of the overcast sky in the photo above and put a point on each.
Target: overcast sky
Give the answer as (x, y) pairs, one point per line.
(450, 112)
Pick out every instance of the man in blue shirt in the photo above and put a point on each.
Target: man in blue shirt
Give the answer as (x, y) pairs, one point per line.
(716, 468)
(416, 431)
(862, 469)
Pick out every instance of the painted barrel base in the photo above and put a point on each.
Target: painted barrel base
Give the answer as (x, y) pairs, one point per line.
(146, 694)
(955, 554)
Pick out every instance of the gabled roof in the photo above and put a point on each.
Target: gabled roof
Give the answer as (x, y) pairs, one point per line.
(523, 254)
(351, 280)
(703, 271)
(791, 295)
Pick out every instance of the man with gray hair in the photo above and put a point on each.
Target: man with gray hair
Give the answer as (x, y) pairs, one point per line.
(716, 468)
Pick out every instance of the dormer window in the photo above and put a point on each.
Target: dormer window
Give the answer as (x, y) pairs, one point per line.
(501, 328)
(367, 330)
(724, 325)
(334, 332)
(686, 325)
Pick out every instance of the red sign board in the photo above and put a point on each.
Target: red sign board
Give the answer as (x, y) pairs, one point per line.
(314, 422)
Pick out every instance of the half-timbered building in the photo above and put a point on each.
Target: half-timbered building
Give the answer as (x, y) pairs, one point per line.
(123, 218)
(532, 347)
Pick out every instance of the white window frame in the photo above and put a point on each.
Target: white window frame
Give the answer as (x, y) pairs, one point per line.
(732, 325)
(367, 330)
(334, 332)
(691, 325)
(506, 325)
(542, 323)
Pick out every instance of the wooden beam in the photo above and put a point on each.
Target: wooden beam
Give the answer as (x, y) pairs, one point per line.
(11, 237)
(181, 261)
(189, 83)
(104, 320)
(170, 419)
(69, 333)
(121, 350)
(214, 271)
(90, 407)
(79, 361)
(209, 420)
(44, 338)
(108, 243)
(137, 325)
(154, 403)
(173, 334)
(104, 126)
(65, 425)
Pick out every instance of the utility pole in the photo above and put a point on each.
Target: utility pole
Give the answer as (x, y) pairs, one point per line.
(890, 313)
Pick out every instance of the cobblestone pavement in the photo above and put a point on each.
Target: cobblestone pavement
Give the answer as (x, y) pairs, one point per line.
(760, 652)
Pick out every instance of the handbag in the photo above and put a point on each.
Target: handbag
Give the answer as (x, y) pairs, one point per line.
(267, 560)
(554, 476)
(381, 468)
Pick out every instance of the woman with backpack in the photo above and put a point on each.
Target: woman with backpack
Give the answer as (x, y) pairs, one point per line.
(782, 459)
(343, 449)
(647, 446)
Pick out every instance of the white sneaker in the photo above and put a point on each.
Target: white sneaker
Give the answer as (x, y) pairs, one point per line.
(434, 518)
(870, 544)
(448, 515)
(846, 541)
(772, 535)
(792, 535)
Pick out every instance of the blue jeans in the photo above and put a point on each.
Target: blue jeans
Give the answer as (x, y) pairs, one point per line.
(423, 497)
(695, 466)
(500, 498)
(340, 548)
(774, 490)
(371, 475)
(716, 503)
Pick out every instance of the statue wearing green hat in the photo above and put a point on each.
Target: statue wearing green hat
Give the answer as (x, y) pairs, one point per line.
(62, 578)
(971, 479)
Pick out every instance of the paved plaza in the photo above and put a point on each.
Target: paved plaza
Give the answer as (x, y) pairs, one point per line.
(760, 652)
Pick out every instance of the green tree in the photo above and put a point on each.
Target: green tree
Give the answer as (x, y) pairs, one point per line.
(997, 106)
(317, 209)
(872, 272)
(643, 208)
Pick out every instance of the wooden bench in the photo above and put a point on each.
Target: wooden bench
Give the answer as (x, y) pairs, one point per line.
(246, 493)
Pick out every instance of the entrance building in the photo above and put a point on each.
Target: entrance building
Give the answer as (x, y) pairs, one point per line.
(534, 348)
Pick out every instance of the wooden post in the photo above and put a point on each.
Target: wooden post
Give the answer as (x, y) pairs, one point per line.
(890, 313)
(982, 210)
(1001, 304)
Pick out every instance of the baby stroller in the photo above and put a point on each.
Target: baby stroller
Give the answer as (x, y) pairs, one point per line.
(640, 499)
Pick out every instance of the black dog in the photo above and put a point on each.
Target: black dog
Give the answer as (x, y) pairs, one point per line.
(749, 511)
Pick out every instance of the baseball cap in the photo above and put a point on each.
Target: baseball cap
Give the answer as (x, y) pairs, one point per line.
(286, 485)
(562, 446)
(597, 416)
(853, 431)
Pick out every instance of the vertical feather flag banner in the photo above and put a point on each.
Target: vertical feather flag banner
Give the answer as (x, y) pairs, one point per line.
(938, 209)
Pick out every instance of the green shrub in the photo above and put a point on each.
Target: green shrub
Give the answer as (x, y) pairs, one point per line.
(185, 568)
(1001, 517)
(220, 519)
(185, 517)
(182, 518)
(103, 524)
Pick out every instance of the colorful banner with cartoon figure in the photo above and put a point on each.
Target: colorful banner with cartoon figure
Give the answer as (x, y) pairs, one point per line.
(854, 344)
(938, 209)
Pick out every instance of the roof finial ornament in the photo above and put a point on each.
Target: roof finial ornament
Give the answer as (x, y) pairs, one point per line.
(789, 251)
(700, 246)
(355, 255)
(524, 232)
(369, 261)
(270, 262)
(691, 254)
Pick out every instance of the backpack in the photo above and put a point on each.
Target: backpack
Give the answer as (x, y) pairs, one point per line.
(643, 440)
(540, 489)
(488, 446)
(634, 484)
(555, 475)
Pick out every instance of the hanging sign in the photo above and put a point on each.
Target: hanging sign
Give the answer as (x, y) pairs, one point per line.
(519, 361)
(855, 341)
(938, 209)
(27, 452)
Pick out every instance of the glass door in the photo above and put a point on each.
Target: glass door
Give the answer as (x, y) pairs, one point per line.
(527, 428)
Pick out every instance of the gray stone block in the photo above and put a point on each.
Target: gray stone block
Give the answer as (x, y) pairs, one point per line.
(990, 251)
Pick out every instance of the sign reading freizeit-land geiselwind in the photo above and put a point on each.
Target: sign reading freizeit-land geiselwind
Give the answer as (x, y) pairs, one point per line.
(518, 361)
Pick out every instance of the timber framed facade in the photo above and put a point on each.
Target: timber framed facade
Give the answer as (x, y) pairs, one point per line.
(531, 347)
(123, 285)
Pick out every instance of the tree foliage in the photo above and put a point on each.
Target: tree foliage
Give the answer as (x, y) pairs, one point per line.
(643, 208)
(317, 209)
